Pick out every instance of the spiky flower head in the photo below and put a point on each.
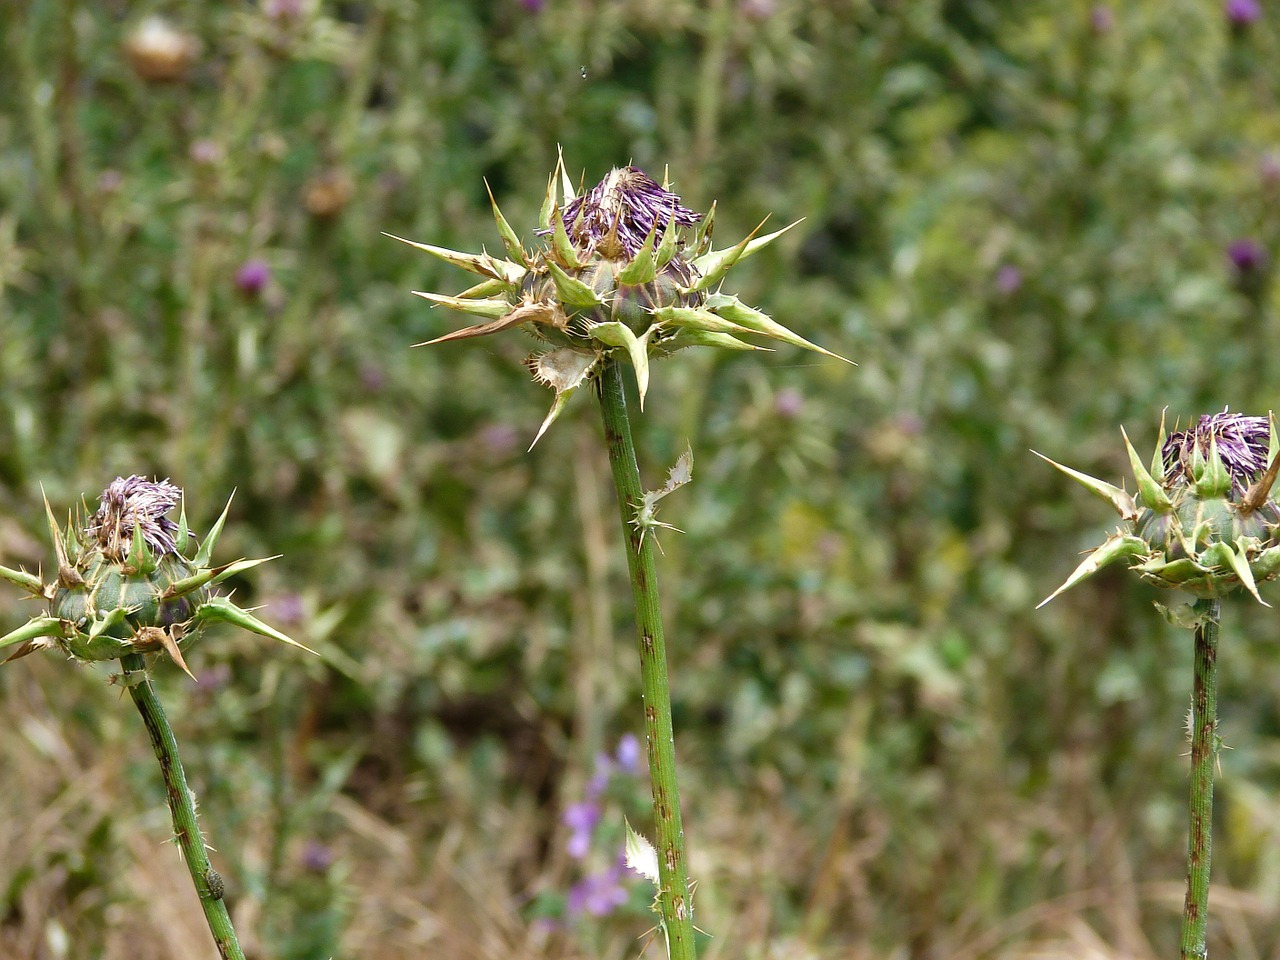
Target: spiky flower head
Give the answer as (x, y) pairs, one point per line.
(1203, 518)
(618, 269)
(125, 582)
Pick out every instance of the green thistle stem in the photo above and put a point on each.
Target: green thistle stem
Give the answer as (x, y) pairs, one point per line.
(182, 806)
(677, 907)
(1204, 755)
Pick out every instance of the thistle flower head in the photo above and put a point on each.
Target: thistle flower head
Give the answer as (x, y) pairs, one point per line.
(616, 270)
(127, 581)
(617, 215)
(1203, 518)
(131, 503)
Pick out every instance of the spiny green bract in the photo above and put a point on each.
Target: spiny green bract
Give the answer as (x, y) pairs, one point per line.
(1203, 519)
(125, 584)
(616, 273)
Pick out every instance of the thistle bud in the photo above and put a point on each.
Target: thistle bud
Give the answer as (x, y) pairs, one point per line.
(1203, 518)
(618, 270)
(127, 581)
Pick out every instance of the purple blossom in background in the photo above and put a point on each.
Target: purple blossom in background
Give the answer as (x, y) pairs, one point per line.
(533, 6)
(1246, 255)
(1241, 13)
(253, 276)
(598, 894)
(788, 402)
(1008, 279)
(316, 857)
(581, 819)
(628, 753)
(1269, 168)
(1101, 19)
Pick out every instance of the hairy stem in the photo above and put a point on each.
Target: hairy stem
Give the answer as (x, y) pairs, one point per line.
(677, 908)
(182, 806)
(1204, 755)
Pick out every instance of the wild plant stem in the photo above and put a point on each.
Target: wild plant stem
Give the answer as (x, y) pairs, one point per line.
(186, 829)
(1204, 755)
(673, 895)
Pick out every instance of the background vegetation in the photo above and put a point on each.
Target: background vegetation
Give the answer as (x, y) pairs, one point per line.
(1029, 223)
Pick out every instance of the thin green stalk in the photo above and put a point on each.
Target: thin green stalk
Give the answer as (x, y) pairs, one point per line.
(673, 894)
(1204, 755)
(182, 805)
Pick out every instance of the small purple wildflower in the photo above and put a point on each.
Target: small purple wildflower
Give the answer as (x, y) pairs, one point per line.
(499, 439)
(1243, 444)
(205, 152)
(282, 10)
(316, 856)
(253, 276)
(533, 6)
(1246, 255)
(1269, 168)
(757, 10)
(628, 753)
(289, 608)
(1008, 279)
(135, 502)
(626, 204)
(788, 402)
(1101, 19)
(598, 894)
(581, 819)
(1241, 13)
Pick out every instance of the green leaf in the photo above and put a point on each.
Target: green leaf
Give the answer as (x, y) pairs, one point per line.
(221, 608)
(753, 320)
(572, 291)
(717, 262)
(1118, 498)
(644, 266)
(561, 243)
(27, 581)
(1117, 547)
(509, 239)
(34, 629)
(1153, 495)
(481, 264)
(616, 334)
(493, 307)
(204, 556)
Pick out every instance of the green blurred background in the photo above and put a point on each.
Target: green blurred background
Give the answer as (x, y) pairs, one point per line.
(1030, 223)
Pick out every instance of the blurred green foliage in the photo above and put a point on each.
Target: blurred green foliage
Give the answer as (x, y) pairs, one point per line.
(1024, 221)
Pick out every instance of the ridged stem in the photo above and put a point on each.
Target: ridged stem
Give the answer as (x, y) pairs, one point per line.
(182, 806)
(1204, 756)
(673, 894)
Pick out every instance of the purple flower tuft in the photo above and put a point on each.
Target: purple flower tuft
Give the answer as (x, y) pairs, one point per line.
(1101, 19)
(616, 215)
(1008, 279)
(1246, 255)
(628, 753)
(135, 502)
(598, 894)
(1242, 442)
(317, 857)
(788, 402)
(581, 819)
(533, 6)
(253, 276)
(1241, 13)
